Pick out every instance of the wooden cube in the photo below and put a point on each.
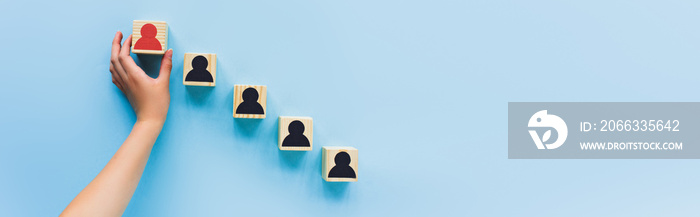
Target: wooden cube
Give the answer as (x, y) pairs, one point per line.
(149, 37)
(296, 133)
(199, 69)
(339, 164)
(249, 101)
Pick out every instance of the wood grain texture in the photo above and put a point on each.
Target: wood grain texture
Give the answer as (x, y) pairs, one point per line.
(162, 36)
(238, 99)
(328, 162)
(187, 67)
(284, 122)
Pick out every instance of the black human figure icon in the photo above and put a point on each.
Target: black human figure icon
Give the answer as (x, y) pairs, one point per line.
(250, 103)
(342, 167)
(296, 135)
(199, 70)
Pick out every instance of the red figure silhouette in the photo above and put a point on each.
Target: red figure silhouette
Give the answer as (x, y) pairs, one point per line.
(148, 39)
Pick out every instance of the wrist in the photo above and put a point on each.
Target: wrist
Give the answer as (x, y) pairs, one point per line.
(150, 123)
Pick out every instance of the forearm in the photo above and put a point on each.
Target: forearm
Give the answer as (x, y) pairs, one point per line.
(109, 193)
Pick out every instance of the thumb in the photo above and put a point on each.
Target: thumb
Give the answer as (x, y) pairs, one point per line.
(166, 65)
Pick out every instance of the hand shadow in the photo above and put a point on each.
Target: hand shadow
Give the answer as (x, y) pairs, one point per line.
(149, 63)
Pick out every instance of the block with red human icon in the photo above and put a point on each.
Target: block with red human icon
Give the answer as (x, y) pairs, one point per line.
(149, 37)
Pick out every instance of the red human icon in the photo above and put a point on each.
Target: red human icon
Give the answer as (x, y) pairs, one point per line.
(148, 39)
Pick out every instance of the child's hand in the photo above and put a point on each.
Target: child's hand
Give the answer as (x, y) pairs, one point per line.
(149, 97)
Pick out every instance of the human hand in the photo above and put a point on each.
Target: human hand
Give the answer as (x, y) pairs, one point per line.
(150, 98)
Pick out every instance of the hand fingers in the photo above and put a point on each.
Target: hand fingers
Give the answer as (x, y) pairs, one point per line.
(115, 66)
(115, 78)
(125, 58)
(112, 71)
(119, 85)
(116, 44)
(166, 65)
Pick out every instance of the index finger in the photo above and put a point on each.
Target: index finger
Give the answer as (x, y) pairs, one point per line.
(114, 59)
(116, 44)
(125, 59)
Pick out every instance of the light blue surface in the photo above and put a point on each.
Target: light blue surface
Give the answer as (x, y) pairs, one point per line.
(419, 87)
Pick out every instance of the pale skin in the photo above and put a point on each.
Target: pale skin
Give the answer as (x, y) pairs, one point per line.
(111, 190)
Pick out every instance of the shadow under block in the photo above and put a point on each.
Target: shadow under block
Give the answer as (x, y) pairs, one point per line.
(149, 37)
(339, 164)
(302, 130)
(201, 70)
(249, 101)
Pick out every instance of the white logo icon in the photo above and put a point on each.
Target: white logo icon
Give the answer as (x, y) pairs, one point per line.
(542, 119)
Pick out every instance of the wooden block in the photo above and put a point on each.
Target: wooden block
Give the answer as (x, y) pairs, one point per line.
(296, 133)
(199, 69)
(149, 37)
(249, 101)
(339, 164)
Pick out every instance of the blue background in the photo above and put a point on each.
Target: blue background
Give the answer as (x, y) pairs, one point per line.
(419, 87)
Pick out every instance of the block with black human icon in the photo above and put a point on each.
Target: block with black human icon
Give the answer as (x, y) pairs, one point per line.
(295, 133)
(249, 101)
(199, 69)
(339, 164)
(149, 37)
